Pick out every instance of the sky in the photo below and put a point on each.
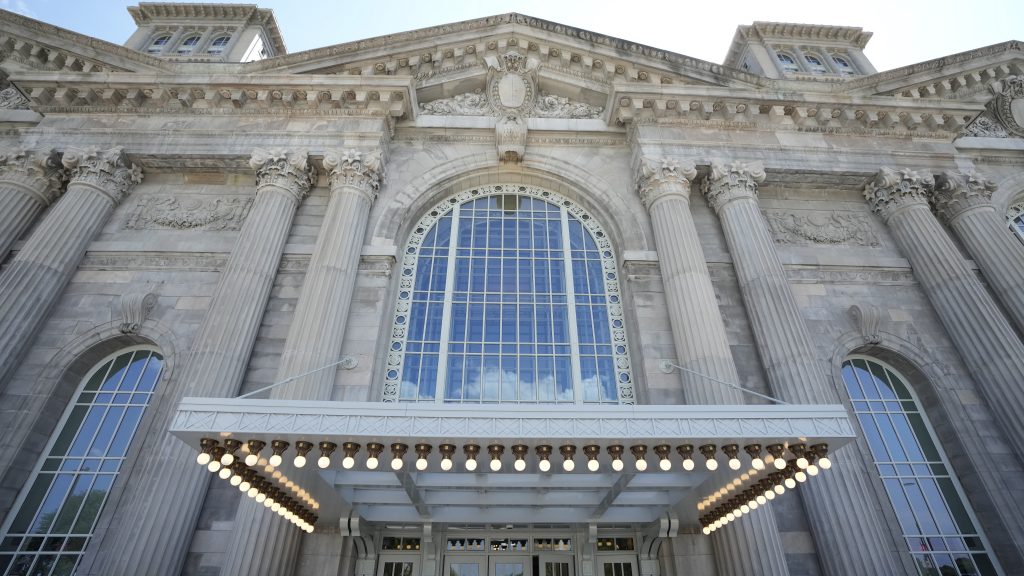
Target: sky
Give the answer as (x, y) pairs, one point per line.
(905, 31)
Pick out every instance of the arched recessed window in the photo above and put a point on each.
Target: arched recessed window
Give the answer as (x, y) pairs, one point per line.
(1015, 218)
(939, 528)
(845, 68)
(218, 44)
(815, 64)
(54, 516)
(788, 63)
(508, 293)
(158, 43)
(188, 45)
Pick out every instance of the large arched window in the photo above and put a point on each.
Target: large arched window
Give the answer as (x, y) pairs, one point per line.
(1015, 218)
(940, 529)
(508, 293)
(54, 516)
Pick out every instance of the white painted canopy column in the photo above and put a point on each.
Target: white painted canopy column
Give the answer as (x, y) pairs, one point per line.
(964, 201)
(979, 330)
(262, 543)
(30, 180)
(154, 526)
(843, 523)
(36, 276)
(752, 546)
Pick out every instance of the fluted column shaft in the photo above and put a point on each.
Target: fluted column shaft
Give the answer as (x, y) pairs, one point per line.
(264, 544)
(753, 546)
(986, 341)
(964, 201)
(845, 528)
(151, 532)
(38, 274)
(29, 182)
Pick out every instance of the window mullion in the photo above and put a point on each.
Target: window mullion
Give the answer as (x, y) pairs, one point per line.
(570, 297)
(446, 308)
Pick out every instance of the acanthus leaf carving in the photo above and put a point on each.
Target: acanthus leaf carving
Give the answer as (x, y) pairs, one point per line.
(189, 212)
(728, 181)
(834, 227)
(354, 168)
(12, 99)
(985, 126)
(135, 308)
(957, 191)
(892, 189)
(107, 170)
(868, 319)
(288, 170)
(659, 178)
(39, 173)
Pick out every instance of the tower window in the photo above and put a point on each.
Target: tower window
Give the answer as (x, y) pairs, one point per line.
(188, 45)
(815, 64)
(218, 44)
(788, 63)
(845, 68)
(157, 45)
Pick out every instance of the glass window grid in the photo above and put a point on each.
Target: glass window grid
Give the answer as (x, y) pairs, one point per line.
(157, 45)
(490, 243)
(938, 526)
(218, 44)
(188, 44)
(841, 62)
(47, 531)
(815, 64)
(1015, 219)
(788, 62)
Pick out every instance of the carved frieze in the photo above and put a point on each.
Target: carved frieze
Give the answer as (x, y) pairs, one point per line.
(468, 104)
(188, 212)
(12, 99)
(826, 228)
(985, 126)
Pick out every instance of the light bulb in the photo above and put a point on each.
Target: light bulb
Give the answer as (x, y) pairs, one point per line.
(471, 464)
(737, 512)
(213, 466)
(396, 463)
(568, 465)
(275, 507)
(520, 465)
(275, 460)
(824, 463)
(203, 458)
(706, 530)
(236, 480)
(802, 462)
(665, 464)
(780, 489)
(227, 459)
(593, 465)
(446, 464)
(770, 494)
(323, 461)
(730, 516)
(790, 483)
(800, 476)
(734, 463)
(268, 502)
(712, 464)
(544, 465)
(617, 465)
(348, 462)
(780, 463)
(224, 473)
(757, 464)
(251, 459)
(761, 499)
(244, 486)
(641, 465)
(812, 470)
(299, 461)
(421, 464)
(371, 463)
(744, 508)
(252, 492)
(259, 497)
(753, 504)
(495, 465)
(688, 464)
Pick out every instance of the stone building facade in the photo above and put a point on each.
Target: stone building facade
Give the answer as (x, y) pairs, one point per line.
(531, 300)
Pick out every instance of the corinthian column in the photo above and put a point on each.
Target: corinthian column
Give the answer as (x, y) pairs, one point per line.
(38, 273)
(263, 543)
(751, 546)
(151, 532)
(986, 341)
(30, 181)
(845, 528)
(964, 201)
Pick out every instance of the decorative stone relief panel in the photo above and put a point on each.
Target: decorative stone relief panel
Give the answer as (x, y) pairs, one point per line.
(835, 227)
(188, 212)
(1004, 114)
(12, 99)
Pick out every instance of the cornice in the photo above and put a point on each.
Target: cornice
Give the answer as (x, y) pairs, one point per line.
(147, 13)
(793, 31)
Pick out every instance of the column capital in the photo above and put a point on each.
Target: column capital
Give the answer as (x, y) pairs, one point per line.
(107, 171)
(662, 178)
(351, 168)
(958, 191)
(38, 173)
(730, 181)
(285, 169)
(891, 190)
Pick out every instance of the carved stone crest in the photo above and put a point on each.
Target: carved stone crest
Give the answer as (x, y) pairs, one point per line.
(189, 212)
(1008, 104)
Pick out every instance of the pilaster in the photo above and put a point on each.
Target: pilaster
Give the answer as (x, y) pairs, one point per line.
(260, 541)
(964, 201)
(844, 527)
(752, 546)
(986, 341)
(153, 526)
(30, 180)
(38, 273)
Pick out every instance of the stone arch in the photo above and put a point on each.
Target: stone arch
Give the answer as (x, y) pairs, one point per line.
(1010, 191)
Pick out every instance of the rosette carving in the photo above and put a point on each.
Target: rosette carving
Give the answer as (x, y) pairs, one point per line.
(35, 172)
(108, 171)
(730, 181)
(284, 169)
(357, 169)
(658, 179)
(893, 189)
(956, 192)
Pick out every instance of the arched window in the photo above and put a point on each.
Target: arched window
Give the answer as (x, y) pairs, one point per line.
(788, 63)
(815, 64)
(54, 517)
(218, 44)
(845, 68)
(940, 529)
(1015, 218)
(158, 43)
(508, 293)
(188, 45)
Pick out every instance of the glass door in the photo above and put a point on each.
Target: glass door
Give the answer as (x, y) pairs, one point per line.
(557, 565)
(465, 566)
(618, 566)
(509, 566)
(396, 566)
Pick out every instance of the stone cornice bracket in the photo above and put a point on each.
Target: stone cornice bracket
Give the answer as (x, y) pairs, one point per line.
(868, 319)
(892, 190)
(728, 181)
(37, 173)
(658, 179)
(107, 171)
(360, 170)
(956, 192)
(135, 308)
(285, 170)
(510, 138)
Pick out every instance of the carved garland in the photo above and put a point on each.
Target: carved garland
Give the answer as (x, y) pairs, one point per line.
(407, 281)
